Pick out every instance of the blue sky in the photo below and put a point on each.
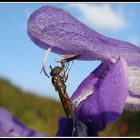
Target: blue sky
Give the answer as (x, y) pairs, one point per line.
(21, 59)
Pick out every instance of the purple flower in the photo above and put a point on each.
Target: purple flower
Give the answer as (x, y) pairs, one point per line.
(11, 127)
(108, 90)
(100, 98)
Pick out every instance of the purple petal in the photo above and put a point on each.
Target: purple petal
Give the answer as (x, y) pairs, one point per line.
(55, 28)
(11, 127)
(133, 100)
(52, 27)
(65, 127)
(106, 96)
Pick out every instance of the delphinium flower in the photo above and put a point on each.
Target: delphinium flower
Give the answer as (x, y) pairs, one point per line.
(111, 88)
(11, 127)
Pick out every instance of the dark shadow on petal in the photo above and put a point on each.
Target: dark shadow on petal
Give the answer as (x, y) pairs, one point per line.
(17, 122)
(65, 127)
(100, 121)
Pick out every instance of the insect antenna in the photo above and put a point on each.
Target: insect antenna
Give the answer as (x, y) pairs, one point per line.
(51, 67)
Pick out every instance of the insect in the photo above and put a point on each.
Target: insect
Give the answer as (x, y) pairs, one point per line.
(59, 78)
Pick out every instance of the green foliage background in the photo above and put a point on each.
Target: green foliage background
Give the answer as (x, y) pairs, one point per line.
(42, 114)
(36, 112)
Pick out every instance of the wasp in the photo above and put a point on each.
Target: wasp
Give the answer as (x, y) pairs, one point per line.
(59, 78)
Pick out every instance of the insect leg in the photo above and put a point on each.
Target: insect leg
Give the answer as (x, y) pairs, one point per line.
(68, 57)
(66, 66)
(44, 62)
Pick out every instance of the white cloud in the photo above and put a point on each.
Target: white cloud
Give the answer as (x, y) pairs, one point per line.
(101, 16)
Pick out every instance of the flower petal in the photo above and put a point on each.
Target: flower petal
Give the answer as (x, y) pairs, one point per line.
(52, 27)
(11, 127)
(133, 100)
(65, 127)
(107, 99)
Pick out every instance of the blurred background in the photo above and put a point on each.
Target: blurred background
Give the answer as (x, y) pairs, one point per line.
(29, 95)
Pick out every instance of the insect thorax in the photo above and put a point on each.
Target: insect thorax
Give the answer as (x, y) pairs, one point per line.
(58, 82)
